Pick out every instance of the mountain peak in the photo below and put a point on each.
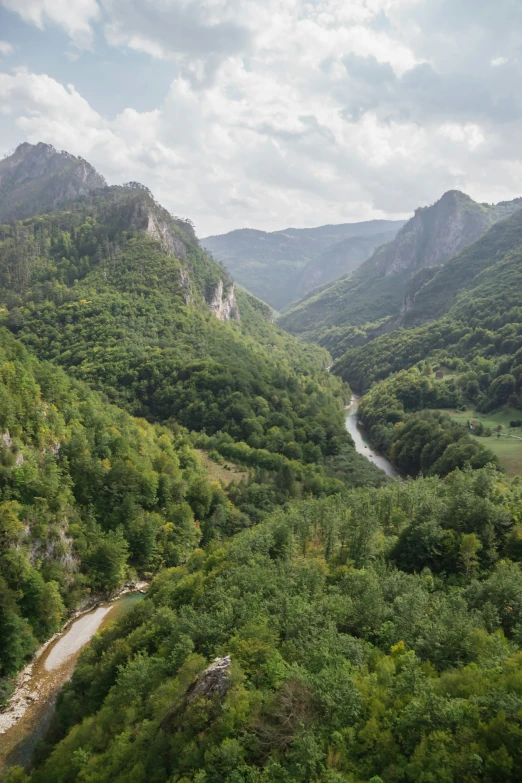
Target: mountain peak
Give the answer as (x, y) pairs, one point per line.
(37, 178)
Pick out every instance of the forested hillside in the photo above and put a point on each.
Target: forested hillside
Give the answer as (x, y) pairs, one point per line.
(376, 638)
(89, 495)
(121, 295)
(477, 341)
(365, 630)
(282, 266)
(387, 283)
(477, 293)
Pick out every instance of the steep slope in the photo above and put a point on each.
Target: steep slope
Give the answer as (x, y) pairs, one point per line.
(339, 259)
(377, 289)
(36, 178)
(120, 294)
(477, 296)
(88, 494)
(294, 653)
(282, 266)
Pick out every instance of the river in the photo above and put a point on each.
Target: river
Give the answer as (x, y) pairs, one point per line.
(49, 672)
(362, 444)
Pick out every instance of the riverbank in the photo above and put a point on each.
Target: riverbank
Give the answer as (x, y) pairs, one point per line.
(362, 443)
(24, 693)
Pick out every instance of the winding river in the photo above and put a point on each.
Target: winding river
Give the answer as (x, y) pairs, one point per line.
(56, 664)
(48, 673)
(362, 444)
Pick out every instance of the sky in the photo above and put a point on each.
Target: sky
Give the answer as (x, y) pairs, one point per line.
(273, 113)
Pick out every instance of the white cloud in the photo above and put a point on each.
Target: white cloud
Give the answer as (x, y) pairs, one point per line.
(6, 48)
(288, 111)
(496, 61)
(74, 16)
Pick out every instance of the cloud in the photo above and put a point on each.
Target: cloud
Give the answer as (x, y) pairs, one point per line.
(6, 48)
(74, 16)
(294, 112)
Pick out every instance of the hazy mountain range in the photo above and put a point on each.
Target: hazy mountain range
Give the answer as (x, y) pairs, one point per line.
(282, 266)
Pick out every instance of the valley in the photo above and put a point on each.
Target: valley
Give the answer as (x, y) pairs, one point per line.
(334, 555)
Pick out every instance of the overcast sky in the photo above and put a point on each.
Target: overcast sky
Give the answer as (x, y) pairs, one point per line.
(270, 113)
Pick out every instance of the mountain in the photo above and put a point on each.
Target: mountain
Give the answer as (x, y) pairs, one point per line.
(378, 288)
(36, 178)
(469, 308)
(120, 294)
(111, 310)
(281, 266)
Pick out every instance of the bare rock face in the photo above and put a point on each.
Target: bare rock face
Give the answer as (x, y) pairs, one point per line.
(224, 306)
(36, 178)
(146, 219)
(186, 286)
(160, 230)
(213, 682)
(436, 233)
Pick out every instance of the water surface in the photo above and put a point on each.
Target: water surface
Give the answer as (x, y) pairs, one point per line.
(362, 444)
(54, 667)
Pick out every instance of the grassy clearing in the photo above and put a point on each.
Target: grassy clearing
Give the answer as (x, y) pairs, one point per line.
(507, 449)
(226, 473)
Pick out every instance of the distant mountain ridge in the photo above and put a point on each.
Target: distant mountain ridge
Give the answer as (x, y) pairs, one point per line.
(282, 266)
(37, 178)
(386, 284)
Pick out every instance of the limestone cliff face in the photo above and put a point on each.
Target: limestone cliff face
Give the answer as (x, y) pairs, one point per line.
(36, 178)
(146, 219)
(436, 233)
(224, 305)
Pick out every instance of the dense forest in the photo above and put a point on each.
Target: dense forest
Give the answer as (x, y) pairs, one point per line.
(309, 621)
(375, 638)
(90, 290)
(91, 495)
(88, 496)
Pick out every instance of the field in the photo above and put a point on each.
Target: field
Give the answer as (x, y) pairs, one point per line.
(226, 473)
(508, 449)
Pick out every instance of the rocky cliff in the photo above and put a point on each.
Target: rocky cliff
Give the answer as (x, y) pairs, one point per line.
(36, 178)
(386, 285)
(223, 304)
(437, 232)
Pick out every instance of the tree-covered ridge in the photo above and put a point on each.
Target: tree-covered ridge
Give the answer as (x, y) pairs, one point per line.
(401, 417)
(375, 638)
(383, 287)
(480, 333)
(481, 284)
(93, 292)
(88, 496)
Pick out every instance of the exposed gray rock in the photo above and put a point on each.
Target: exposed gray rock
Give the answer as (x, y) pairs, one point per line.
(186, 286)
(37, 178)
(224, 306)
(214, 681)
(146, 219)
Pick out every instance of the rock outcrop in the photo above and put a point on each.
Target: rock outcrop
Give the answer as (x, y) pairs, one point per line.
(213, 682)
(437, 232)
(157, 227)
(224, 305)
(37, 178)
